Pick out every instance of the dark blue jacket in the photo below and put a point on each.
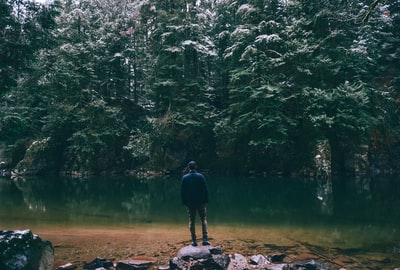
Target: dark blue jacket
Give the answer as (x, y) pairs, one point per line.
(194, 190)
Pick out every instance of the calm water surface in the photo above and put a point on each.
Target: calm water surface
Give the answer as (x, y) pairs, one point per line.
(351, 213)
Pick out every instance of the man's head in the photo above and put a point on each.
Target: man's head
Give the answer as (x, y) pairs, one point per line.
(192, 165)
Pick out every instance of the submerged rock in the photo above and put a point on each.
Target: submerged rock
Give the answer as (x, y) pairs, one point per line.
(276, 258)
(98, 263)
(67, 266)
(134, 264)
(20, 250)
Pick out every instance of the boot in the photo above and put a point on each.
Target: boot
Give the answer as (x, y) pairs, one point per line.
(194, 241)
(205, 241)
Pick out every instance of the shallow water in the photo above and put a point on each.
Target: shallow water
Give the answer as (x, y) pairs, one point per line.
(355, 217)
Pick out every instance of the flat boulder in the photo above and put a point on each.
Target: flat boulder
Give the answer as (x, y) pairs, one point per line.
(198, 252)
(199, 257)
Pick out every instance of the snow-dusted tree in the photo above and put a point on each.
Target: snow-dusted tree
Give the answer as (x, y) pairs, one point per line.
(327, 77)
(183, 79)
(85, 83)
(286, 61)
(25, 30)
(256, 81)
(253, 127)
(381, 45)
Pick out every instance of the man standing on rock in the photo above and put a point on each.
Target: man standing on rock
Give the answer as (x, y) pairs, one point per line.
(194, 193)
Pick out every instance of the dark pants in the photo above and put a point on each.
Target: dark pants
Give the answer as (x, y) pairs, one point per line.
(192, 217)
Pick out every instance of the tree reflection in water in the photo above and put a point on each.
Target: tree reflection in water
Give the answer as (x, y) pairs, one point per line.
(347, 212)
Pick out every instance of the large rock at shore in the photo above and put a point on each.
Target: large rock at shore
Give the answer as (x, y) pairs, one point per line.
(39, 158)
(23, 250)
(199, 257)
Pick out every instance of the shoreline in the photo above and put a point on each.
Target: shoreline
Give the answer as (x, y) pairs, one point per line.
(158, 243)
(82, 245)
(161, 243)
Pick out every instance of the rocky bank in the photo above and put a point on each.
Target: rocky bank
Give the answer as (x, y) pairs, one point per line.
(23, 250)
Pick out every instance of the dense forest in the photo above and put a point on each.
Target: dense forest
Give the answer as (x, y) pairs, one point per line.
(258, 85)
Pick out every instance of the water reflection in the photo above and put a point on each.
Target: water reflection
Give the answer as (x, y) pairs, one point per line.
(325, 195)
(347, 216)
(29, 194)
(363, 205)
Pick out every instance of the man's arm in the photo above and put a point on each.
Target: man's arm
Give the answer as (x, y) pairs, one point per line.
(205, 187)
(183, 192)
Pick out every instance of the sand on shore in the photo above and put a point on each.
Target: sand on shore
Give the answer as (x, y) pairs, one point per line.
(159, 243)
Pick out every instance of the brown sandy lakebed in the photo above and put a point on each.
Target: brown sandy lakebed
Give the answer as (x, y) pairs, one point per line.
(80, 245)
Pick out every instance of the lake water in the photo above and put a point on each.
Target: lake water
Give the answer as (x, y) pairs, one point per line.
(354, 215)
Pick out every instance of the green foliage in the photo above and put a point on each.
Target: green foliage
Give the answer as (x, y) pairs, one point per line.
(24, 30)
(183, 86)
(13, 126)
(139, 146)
(96, 139)
(242, 84)
(343, 110)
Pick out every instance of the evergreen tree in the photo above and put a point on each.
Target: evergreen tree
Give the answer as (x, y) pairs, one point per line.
(254, 125)
(252, 84)
(323, 69)
(381, 45)
(182, 80)
(82, 77)
(25, 30)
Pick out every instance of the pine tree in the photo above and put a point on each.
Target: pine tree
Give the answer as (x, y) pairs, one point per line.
(183, 84)
(381, 45)
(25, 30)
(322, 69)
(253, 126)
